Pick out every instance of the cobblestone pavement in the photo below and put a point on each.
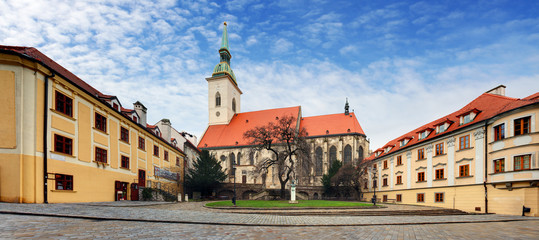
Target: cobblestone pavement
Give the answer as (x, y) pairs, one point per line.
(18, 226)
(166, 215)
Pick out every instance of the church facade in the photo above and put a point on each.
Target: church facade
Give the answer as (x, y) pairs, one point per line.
(331, 137)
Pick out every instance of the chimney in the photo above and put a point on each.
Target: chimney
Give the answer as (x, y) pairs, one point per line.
(141, 111)
(499, 90)
(166, 129)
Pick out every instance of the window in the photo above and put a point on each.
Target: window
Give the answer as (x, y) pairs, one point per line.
(366, 185)
(135, 119)
(217, 99)
(522, 126)
(467, 118)
(399, 179)
(399, 198)
(63, 144)
(318, 161)
(522, 162)
(165, 155)
(499, 132)
(464, 170)
(385, 164)
(347, 154)
(156, 150)
(464, 142)
(438, 197)
(439, 174)
(100, 122)
(177, 161)
(399, 160)
(100, 155)
(125, 162)
(115, 106)
(374, 167)
(420, 154)
(64, 104)
(124, 134)
(499, 165)
(384, 182)
(439, 149)
(421, 176)
(441, 128)
(420, 197)
(141, 143)
(234, 105)
(63, 182)
(384, 198)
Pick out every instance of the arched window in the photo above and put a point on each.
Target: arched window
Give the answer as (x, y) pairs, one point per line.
(223, 158)
(332, 155)
(234, 105)
(360, 153)
(347, 154)
(232, 160)
(255, 159)
(318, 157)
(251, 158)
(239, 159)
(217, 99)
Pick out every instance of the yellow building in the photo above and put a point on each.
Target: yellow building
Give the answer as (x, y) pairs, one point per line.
(62, 140)
(482, 158)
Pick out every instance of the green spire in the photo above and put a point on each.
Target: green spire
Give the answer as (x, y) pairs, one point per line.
(224, 41)
(223, 68)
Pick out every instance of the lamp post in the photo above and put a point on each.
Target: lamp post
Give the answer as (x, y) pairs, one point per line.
(234, 173)
(374, 183)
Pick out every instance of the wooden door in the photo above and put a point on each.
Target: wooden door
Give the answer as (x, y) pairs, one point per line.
(141, 178)
(244, 179)
(134, 192)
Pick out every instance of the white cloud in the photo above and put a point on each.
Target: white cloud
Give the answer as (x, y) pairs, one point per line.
(282, 45)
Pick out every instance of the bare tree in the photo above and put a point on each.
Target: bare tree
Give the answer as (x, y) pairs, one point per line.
(350, 178)
(286, 141)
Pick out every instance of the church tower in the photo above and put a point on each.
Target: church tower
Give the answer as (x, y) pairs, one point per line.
(224, 95)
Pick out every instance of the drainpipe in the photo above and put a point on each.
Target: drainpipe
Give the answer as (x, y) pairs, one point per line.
(45, 142)
(486, 167)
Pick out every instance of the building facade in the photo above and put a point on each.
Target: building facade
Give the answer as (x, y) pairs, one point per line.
(482, 158)
(331, 137)
(65, 141)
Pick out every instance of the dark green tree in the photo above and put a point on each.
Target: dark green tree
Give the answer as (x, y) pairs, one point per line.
(205, 174)
(326, 178)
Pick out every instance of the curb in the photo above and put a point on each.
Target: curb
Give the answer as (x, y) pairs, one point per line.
(249, 224)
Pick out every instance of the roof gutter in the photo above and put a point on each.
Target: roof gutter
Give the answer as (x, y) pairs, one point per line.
(45, 138)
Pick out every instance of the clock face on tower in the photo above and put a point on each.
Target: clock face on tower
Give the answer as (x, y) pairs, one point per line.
(217, 113)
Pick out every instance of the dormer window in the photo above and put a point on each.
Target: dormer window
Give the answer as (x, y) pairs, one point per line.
(424, 134)
(468, 116)
(135, 119)
(443, 126)
(404, 141)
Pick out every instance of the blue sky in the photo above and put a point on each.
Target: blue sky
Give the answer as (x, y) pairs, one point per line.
(400, 63)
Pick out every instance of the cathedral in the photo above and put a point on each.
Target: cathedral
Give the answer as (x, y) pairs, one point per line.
(331, 137)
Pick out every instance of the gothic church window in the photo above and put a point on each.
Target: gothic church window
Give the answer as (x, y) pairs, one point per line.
(360, 153)
(239, 159)
(318, 165)
(217, 99)
(251, 158)
(234, 105)
(232, 162)
(347, 154)
(332, 155)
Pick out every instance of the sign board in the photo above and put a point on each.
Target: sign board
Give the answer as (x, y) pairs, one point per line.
(159, 172)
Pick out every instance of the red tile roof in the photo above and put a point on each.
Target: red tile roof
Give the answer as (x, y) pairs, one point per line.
(331, 124)
(232, 134)
(489, 106)
(227, 135)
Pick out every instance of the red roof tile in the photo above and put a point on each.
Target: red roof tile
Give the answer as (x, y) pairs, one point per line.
(331, 124)
(489, 106)
(232, 134)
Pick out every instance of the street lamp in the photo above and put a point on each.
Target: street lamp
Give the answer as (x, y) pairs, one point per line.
(374, 183)
(234, 173)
